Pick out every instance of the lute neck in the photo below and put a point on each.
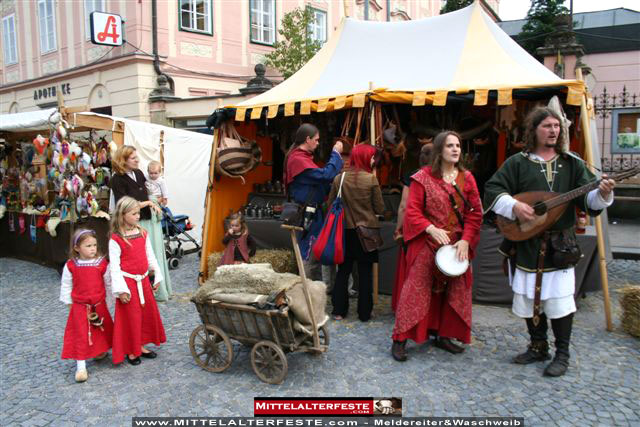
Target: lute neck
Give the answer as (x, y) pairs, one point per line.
(567, 197)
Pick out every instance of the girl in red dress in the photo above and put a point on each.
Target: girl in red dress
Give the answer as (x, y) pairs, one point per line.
(137, 319)
(240, 246)
(85, 284)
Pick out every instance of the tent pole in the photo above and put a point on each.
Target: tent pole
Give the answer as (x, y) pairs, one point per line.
(604, 279)
(208, 203)
(373, 142)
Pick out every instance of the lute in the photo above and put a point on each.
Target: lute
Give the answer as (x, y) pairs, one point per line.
(548, 207)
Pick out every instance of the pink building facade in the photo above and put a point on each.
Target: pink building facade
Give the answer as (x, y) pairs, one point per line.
(207, 48)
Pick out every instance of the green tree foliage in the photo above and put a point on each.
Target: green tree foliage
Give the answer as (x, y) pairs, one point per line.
(541, 20)
(295, 47)
(453, 5)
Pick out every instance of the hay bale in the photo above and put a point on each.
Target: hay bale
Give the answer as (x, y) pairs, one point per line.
(630, 303)
(282, 260)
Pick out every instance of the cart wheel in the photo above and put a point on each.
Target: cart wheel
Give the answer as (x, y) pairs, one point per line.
(173, 263)
(323, 334)
(180, 253)
(211, 348)
(269, 362)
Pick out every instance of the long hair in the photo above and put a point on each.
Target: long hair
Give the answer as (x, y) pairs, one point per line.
(438, 147)
(305, 130)
(120, 158)
(240, 218)
(80, 236)
(532, 122)
(125, 205)
(361, 156)
(425, 155)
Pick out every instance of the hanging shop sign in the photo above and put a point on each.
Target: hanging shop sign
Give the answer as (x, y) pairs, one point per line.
(106, 29)
(51, 91)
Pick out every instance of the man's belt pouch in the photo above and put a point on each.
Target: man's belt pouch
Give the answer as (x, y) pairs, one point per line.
(294, 213)
(564, 249)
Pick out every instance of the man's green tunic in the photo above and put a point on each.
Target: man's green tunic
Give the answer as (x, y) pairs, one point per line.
(520, 173)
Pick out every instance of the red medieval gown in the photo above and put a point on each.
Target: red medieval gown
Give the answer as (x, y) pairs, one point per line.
(135, 325)
(82, 340)
(427, 305)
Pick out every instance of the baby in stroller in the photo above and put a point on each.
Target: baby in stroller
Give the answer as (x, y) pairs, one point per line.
(174, 227)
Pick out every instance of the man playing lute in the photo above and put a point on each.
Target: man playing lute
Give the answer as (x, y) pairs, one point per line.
(544, 278)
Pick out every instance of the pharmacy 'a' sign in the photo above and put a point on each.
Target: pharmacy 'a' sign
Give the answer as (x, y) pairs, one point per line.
(106, 29)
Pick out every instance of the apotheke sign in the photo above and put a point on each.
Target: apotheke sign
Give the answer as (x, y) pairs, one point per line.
(106, 29)
(51, 91)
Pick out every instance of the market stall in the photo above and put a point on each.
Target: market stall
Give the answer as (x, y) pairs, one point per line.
(55, 167)
(401, 90)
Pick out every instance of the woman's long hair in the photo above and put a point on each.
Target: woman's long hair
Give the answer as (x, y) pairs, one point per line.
(120, 158)
(438, 147)
(532, 122)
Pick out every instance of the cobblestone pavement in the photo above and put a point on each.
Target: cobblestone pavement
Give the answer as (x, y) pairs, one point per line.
(601, 387)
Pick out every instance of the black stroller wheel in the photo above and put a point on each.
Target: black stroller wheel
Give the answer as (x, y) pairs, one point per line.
(173, 263)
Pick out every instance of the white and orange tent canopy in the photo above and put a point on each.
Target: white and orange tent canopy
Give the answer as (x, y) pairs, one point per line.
(417, 62)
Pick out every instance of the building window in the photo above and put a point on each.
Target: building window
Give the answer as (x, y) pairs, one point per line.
(625, 131)
(195, 15)
(263, 21)
(91, 6)
(47, 22)
(318, 28)
(10, 47)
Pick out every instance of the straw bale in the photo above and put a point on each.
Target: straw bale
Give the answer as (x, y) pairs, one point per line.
(630, 302)
(282, 260)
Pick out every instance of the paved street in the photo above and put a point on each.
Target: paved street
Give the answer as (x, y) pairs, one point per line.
(600, 388)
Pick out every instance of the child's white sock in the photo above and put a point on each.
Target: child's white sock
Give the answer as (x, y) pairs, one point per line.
(81, 365)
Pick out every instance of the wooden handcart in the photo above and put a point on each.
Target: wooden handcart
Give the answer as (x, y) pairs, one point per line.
(270, 333)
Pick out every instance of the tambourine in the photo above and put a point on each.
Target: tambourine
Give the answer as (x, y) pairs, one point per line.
(448, 263)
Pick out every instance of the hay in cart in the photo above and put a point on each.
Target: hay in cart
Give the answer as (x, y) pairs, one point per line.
(258, 307)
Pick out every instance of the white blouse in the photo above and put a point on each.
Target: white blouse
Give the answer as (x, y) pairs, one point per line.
(119, 284)
(66, 282)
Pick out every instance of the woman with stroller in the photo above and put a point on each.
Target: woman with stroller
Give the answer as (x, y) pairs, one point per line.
(128, 180)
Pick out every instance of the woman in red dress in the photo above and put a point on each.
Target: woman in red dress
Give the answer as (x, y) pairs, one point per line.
(431, 303)
(137, 319)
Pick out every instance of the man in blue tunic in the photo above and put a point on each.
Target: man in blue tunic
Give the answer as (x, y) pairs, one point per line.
(309, 184)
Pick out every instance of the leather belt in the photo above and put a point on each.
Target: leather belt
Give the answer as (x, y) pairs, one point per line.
(539, 273)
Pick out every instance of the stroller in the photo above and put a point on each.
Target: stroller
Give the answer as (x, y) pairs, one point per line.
(175, 230)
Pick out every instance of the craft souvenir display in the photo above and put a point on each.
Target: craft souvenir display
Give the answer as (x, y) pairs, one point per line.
(76, 170)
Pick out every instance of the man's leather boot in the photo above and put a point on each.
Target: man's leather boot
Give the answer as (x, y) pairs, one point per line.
(538, 349)
(562, 332)
(399, 351)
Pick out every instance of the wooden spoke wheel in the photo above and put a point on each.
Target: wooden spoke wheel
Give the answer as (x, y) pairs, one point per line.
(269, 362)
(211, 348)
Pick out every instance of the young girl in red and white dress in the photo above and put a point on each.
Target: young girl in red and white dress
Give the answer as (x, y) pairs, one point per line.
(137, 319)
(85, 285)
